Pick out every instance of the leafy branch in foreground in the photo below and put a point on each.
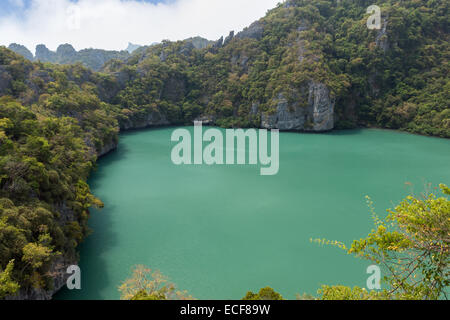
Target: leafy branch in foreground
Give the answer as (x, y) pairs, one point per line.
(147, 285)
(411, 244)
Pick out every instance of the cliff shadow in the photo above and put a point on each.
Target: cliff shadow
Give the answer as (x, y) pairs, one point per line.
(93, 265)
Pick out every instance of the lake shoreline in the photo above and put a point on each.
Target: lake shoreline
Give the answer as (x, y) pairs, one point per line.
(336, 167)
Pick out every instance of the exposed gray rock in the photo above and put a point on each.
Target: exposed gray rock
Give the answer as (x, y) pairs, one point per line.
(162, 56)
(285, 118)
(66, 52)
(22, 50)
(91, 58)
(255, 109)
(107, 148)
(254, 31)
(59, 274)
(153, 119)
(321, 104)
(199, 42)
(317, 116)
(132, 47)
(229, 38)
(382, 40)
(218, 44)
(44, 54)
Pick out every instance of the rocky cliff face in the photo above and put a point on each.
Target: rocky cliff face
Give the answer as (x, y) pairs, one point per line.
(22, 50)
(316, 116)
(254, 31)
(153, 119)
(66, 54)
(59, 276)
(382, 39)
(44, 54)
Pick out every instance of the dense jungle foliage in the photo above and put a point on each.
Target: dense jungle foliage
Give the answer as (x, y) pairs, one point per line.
(56, 119)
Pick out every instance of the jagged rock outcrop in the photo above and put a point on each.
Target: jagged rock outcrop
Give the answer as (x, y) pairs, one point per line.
(229, 38)
(316, 116)
(254, 31)
(199, 42)
(44, 54)
(132, 47)
(153, 119)
(66, 54)
(218, 44)
(22, 50)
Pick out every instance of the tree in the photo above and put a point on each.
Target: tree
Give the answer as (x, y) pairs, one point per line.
(7, 285)
(412, 245)
(35, 255)
(266, 293)
(347, 293)
(147, 285)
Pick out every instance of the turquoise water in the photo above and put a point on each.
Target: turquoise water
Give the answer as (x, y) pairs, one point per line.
(220, 231)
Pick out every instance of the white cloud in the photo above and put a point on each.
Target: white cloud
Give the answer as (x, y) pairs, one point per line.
(111, 24)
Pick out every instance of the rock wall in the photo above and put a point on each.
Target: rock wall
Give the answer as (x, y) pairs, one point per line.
(59, 275)
(317, 116)
(151, 120)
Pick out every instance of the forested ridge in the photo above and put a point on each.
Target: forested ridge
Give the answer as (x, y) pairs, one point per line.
(55, 120)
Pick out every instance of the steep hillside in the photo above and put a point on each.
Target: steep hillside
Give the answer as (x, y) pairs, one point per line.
(307, 65)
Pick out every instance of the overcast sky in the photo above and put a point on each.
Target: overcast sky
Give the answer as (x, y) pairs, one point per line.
(111, 24)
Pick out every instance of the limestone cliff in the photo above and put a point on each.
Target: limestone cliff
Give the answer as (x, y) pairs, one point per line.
(153, 119)
(316, 116)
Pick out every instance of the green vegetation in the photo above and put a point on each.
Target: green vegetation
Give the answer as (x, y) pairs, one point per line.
(147, 285)
(412, 246)
(47, 150)
(394, 78)
(7, 285)
(266, 293)
(56, 119)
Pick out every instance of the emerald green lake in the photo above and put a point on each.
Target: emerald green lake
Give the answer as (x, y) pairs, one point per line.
(219, 231)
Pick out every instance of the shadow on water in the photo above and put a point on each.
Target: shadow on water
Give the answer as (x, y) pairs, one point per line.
(100, 240)
(344, 132)
(93, 275)
(119, 154)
